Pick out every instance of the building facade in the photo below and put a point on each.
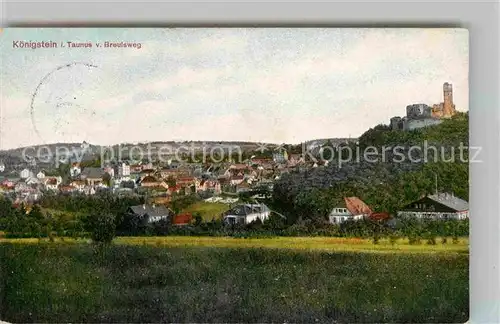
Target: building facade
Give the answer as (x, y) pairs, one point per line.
(352, 209)
(439, 206)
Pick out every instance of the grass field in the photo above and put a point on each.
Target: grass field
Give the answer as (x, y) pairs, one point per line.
(206, 279)
(208, 211)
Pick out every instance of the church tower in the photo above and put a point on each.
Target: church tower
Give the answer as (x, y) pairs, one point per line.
(448, 106)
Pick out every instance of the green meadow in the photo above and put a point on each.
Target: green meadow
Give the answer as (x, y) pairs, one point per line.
(212, 279)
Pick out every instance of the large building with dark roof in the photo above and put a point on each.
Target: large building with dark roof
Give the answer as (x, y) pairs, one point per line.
(438, 206)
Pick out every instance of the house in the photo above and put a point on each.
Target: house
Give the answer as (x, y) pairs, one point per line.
(51, 183)
(25, 173)
(280, 156)
(32, 181)
(123, 170)
(150, 213)
(147, 166)
(67, 189)
(437, 206)
(75, 170)
(78, 185)
(246, 213)
(296, 159)
(92, 176)
(182, 219)
(210, 186)
(2, 167)
(147, 172)
(243, 187)
(20, 186)
(40, 175)
(137, 168)
(352, 208)
(150, 181)
(176, 189)
(9, 183)
(185, 181)
(88, 190)
(236, 179)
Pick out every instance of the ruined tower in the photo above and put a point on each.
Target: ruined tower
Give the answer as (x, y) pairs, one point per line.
(448, 106)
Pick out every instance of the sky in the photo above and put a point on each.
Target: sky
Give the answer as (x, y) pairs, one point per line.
(278, 85)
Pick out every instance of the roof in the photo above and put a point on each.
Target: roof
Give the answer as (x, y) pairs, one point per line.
(356, 206)
(238, 166)
(246, 209)
(91, 172)
(151, 210)
(149, 179)
(244, 184)
(450, 201)
(182, 219)
(185, 179)
(51, 181)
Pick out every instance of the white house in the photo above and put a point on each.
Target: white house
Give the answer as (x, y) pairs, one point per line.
(123, 170)
(246, 213)
(150, 213)
(351, 209)
(25, 173)
(78, 185)
(52, 183)
(40, 175)
(32, 180)
(2, 167)
(75, 169)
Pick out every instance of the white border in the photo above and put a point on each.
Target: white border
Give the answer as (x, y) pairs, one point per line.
(481, 18)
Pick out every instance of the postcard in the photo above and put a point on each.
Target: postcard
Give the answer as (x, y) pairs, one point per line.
(316, 175)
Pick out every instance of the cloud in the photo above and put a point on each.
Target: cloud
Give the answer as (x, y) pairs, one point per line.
(280, 85)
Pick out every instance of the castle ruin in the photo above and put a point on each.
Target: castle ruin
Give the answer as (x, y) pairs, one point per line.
(421, 115)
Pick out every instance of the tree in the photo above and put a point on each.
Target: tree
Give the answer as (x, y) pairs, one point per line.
(101, 227)
(197, 219)
(106, 178)
(171, 181)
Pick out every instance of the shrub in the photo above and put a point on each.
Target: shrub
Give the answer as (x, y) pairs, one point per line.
(101, 227)
(431, 241)
(444, 240)
(414, 240)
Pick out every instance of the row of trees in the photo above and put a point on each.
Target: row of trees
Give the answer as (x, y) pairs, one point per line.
(103, 225)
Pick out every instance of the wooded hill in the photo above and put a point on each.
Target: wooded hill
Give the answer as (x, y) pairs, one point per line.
(387, 184)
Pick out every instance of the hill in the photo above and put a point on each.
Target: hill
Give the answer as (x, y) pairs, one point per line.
(394, 178)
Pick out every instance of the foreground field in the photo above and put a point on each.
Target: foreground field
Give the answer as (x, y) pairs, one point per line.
(332, 244)
(141, 280)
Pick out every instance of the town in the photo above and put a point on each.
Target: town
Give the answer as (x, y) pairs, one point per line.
(238, 186)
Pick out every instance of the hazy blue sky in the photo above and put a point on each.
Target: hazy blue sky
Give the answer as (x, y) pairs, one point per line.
(269, 85)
